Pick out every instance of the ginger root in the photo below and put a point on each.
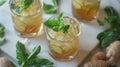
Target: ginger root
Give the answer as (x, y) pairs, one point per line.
(97, 60)
(97, 63)
(98, 56)
(113, 51)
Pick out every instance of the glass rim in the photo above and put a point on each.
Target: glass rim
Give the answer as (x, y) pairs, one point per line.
(71, 17)
(12, 12)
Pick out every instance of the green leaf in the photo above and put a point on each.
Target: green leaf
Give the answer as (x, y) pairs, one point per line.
(49, 9)
(101, 23)
(41, 62)
(60, 17)
(111, 37)
(2, 41)
(57, 24)
(24, 5)
(66, 27)
(21, 52)
(112, 34)
(31, 59)
(2, 2)
(34, 53)
(51, 23)
(2, 32)
(112, 18)
(55, 2)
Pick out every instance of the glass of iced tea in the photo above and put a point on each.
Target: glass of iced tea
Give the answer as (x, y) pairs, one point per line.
(27, 17)
(64, 46)
(85, 9)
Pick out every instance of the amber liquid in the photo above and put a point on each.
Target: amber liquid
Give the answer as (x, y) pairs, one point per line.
(29, 21)
(85, 9)
(65, 46)
(62, 51)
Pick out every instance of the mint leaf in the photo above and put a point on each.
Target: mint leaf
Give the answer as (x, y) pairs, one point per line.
(34, 53)
(30, 59)
(24, 5)
(40, 62)
(2, 41)
(21, 52)
(55, 2)
(50, 9)
(51, 23)
(2, 2)
(57, 24)
(2, 32)
(65, 29)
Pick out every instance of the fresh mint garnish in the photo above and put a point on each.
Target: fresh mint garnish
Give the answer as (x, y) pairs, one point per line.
(57, 24)
(26, 59)
(24, 5)
(50, 9)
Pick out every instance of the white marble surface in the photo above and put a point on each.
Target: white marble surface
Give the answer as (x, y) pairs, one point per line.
(87, 42)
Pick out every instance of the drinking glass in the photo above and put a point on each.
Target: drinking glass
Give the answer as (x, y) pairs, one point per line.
(64, 46)
(85, 9)
(27, 23)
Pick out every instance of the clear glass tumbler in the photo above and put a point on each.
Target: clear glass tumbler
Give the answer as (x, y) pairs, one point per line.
(85, 9)
(64, 46)
(27, 17)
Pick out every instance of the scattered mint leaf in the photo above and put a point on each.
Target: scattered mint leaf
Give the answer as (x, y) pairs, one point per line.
(57, 24)
(50, 9)
(40, 62)
(34, 53)
(30, 59)
(113, 33)
(2, 32)
(55, 2)
(101, 23)
(2, 2)
(2, 41)
(21, 52)
(112, 17)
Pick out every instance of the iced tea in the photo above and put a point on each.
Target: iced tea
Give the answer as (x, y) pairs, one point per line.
(29, 21)
(85, 9)
(64, 46)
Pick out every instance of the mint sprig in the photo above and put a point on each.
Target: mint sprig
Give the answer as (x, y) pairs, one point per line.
(26, 59)
(24, 5)
(57, 24)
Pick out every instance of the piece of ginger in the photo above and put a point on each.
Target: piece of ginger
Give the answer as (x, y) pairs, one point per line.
(113, 51)
(97, 60)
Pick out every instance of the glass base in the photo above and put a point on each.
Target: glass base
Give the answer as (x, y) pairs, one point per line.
(40, 32)
(64, 59)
